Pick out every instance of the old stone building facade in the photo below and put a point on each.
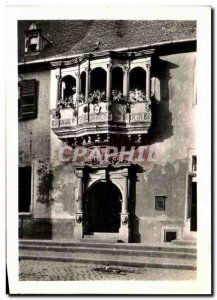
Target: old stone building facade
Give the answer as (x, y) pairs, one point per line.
(107, 137)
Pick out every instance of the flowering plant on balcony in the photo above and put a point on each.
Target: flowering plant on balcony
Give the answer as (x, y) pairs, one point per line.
(66, 102)
(81, 98)
(97, 96)
(117, 96)
(61, 103)
(136, 95)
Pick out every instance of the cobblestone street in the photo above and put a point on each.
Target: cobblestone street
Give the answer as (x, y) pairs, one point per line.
(31, 270)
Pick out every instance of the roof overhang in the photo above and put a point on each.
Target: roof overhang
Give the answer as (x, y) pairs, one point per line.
(75, 58)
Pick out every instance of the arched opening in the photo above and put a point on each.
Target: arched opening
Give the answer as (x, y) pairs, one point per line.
(138, 79)
(117, 79)
(83, 83)
(68, 87)
(98, 80)
(103, 207)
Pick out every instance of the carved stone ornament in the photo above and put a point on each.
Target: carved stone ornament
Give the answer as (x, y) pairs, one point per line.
(56, 114)
(124, 220)
(109, 66)
(108, 106)
(79, 218)
(85, 109)
(87, 69)
(97, 108)
(148, 66)
(58, 77)
(127, 68)
(77, 74)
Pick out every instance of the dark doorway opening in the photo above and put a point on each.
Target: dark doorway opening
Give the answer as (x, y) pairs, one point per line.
(70, 84)
(98, 80)
(24, 189)
(194, 206)
(83, 83)
(103, 207)
(138, 79)
(117, 79)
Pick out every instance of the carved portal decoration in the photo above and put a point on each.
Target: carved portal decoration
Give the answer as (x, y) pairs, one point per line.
(79, 218)
(124, 219)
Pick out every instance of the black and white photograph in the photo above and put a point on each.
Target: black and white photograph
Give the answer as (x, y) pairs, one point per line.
(108, 158)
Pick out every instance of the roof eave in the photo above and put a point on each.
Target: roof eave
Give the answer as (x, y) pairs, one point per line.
(52, 59)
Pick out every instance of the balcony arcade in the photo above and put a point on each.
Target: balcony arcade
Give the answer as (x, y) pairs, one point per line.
(102, 96)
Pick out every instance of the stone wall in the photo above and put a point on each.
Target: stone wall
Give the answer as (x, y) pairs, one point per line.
(172, 134)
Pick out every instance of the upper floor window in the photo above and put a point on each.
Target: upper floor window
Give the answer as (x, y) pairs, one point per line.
(68, 87)
(34, 39)
(27, 99)
(32, 44)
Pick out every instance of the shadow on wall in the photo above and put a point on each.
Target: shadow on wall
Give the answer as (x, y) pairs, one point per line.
(161, 126)
(161, 129)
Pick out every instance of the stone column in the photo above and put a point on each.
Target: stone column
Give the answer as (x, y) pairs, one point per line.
(63, 85)
(148, 81)
(78, 84)
(58, 77)
(126, 80)
(87, 89)
(124, 231)
(80, 193)
(109, 81)
(78, 229)
(124, 208)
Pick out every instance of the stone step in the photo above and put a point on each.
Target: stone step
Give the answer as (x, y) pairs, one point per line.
(184, 243)
(113, 251)
(109, 259)
(90, 244)
(98, 240)
(102, 235)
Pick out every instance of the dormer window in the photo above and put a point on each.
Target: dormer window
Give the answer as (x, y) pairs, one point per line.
(34, 40)
(32, 44)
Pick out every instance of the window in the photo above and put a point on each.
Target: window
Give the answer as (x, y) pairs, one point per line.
(32, 44)
(32, 39)
(160, 203)
(68, 87)
(27, 101)
(24, 189)
(170, 236)
(194, 163)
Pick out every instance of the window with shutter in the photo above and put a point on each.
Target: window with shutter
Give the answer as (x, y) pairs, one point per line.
(27, 102)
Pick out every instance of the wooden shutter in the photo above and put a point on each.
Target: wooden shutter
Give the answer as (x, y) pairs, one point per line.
(28, 99)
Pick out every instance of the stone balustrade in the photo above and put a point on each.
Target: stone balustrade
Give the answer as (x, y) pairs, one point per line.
(102, 118)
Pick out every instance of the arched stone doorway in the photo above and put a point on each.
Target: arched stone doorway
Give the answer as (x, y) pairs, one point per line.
(102, 203)
(103, 207)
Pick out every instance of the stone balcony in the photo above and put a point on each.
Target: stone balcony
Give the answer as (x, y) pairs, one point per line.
(102, 122)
